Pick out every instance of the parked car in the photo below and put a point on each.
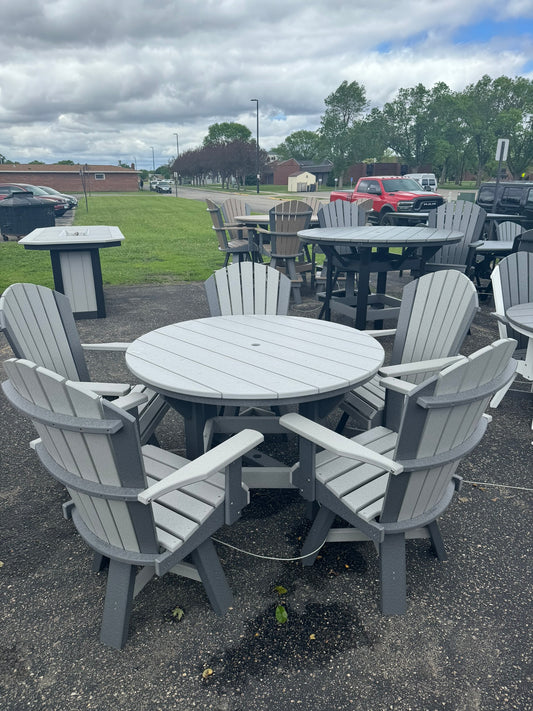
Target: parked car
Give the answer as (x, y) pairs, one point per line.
(72, 199)
(61, 204)
(512, 198)
(164, 186)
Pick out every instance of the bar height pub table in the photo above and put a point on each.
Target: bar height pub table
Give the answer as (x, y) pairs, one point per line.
(75, 256)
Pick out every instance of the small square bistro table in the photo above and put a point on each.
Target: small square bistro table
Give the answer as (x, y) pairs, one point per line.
(371, 250)
(252, 361)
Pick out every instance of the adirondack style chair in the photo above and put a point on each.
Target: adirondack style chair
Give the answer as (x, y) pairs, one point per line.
(136, 507)
(393, 482)
(248, 288)
(435, 314)
(39, 326)
(466, 217)
(285, 249)
(237, 249)
(512, 284)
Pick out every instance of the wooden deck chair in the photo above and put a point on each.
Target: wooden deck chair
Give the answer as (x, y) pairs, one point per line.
(392, 483)
(435, 314)
(238, 249)
(248, 288)
(466, 217)
(512, 284)
(136, 507)
(39, 326)
(285, 249)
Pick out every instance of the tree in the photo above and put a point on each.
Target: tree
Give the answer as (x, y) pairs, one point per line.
(66, 162)
(223, 133)
(343, 107)
(300, 145)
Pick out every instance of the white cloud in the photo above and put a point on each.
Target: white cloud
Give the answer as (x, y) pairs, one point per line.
(99, 81)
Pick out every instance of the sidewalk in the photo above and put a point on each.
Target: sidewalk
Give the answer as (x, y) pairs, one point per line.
(464, 644)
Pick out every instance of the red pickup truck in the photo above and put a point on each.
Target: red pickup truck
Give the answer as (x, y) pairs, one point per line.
(390, 194)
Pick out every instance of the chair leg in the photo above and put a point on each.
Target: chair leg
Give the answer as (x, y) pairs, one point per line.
(118, 604)
(436, 541)
(100, 562)
(392, 574)
(317, 535)
(216, 586)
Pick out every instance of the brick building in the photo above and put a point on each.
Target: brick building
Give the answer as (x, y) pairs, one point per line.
(70, 178)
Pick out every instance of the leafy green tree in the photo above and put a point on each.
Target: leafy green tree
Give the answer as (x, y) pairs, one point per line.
(224, 133)
(300, 145)
(65, 162)
(343, 107)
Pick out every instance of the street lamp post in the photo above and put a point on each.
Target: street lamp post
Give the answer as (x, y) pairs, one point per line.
(177, 146)
(257, 143)
(153, 159)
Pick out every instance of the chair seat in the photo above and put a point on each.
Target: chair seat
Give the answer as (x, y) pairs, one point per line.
(240, 244)
(359, 486)
(179, 514)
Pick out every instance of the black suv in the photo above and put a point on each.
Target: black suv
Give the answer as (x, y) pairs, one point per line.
(513, 198)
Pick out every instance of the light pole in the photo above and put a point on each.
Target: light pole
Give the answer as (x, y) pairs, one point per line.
(153, 159)
(177, 146)
(257, 143)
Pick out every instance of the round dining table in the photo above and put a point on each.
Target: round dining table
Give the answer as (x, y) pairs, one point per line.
(372, 250)
(260, 361)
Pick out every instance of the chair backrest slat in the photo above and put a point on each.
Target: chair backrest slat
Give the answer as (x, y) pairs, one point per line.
(247, 288)
(508, 230)
(442, 421)
(89, 461)
(39, 326)
(436, 313)
(463, 216)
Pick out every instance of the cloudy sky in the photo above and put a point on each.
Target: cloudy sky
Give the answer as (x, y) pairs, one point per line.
(100, 81)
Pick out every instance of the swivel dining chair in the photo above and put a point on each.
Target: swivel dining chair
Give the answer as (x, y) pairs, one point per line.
(142, 509)
(512, 284)
(39, 326)
(396, 480)
(285, 248)
(237, 248)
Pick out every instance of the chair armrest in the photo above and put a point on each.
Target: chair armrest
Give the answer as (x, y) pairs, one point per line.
(336, 443)
(116, 346)
(204, 466)
(422, 366)
(106, 389)
(131, 400)
(381, 332)
(399, 386)
(500, 317)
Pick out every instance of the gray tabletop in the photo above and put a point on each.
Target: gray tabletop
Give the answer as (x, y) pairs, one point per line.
(382, 236)
(246, 360)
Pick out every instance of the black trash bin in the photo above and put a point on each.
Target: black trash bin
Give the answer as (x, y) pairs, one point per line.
(21, 212)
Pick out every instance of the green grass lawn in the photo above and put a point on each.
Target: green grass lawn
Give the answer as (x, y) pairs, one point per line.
(167, 240)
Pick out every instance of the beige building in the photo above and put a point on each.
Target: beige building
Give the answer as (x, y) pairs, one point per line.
(301, 182)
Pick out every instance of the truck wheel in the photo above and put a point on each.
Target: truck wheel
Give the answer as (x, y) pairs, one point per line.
(385, 218)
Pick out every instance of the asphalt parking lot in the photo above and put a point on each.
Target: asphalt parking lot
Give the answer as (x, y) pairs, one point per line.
(464, 644)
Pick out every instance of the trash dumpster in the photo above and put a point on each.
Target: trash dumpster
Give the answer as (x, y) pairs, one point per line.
(21, 213)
